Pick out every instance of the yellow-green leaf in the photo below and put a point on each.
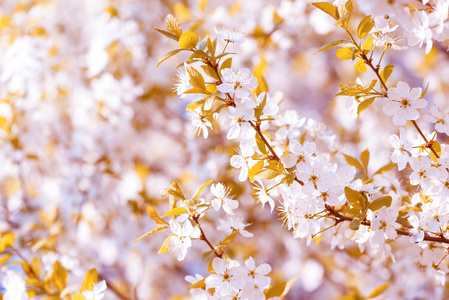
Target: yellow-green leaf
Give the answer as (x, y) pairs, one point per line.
(226, 64)
(386, 72)
(78, 296)
(354, 197)
(230, 237)
(90, 279)
(260, 144)
(164, 247)
(4, 258)
(380, 202)
(254, 170)
(385, 168)
(206, 255)
(353, 162)
(437, 147)
(328, 8)
(330, 45)
(209, 71)
(175, 211)
(59, 276)
(365, 26)
(345, 53)
(167, 34)
(188, 40)
(378, 290)
(196, 79)
(152, 213)
(267, 174)
(364, 158)
(195, 104)
(364, 105)
(424, 92)
(275, 290)
(173, 26)
(360, 66)
(151, 232)
(198, 192)
(6, 241)
(201, 284)
(366, 47)
(355, 224)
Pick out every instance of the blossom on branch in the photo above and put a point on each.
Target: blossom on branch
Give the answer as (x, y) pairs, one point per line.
(403, 104)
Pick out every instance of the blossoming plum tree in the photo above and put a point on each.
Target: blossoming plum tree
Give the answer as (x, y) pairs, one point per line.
(317, 192)
(91, 131)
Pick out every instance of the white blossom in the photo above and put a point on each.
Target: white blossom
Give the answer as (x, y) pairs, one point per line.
(222, 198)
(230, 35)
(403, 104)
(97, 292)
(402, 148)
(239, 84)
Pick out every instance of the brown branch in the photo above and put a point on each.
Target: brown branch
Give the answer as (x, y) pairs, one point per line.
(342, 218)
(368, 62)
(256, 127)
(204, 238)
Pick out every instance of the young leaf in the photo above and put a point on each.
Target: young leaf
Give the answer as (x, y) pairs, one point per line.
(254, 170)
(196, 79)
(328, 8)
(364, 105)
(424, 92)
(90, 279)
(175, 211)
(345, 53)
(200, 284)
(78, 296)
(152, 213)
(58, 276)
(380, 202)
(4, 258)
(364, 158)
(267, 174)
(378, 290)
(198, 192)
(360, 66)
(366, 47)
(167, 34)
(188, 40)
(353, 162)
(206, 255)
(164, 247)
(261, 145)
(200, 54)
(177, 192)
(386, 72)
(6, 241)
(151, 232)
(385, 168)
(209, 71)
(275, 290)
(354, 224)
(195, 104)
(365, 27)
(226, 64)
(437, 147)
(211, 47)
(354, 197)
(330, 45)
(173, 26)
(230, 237)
